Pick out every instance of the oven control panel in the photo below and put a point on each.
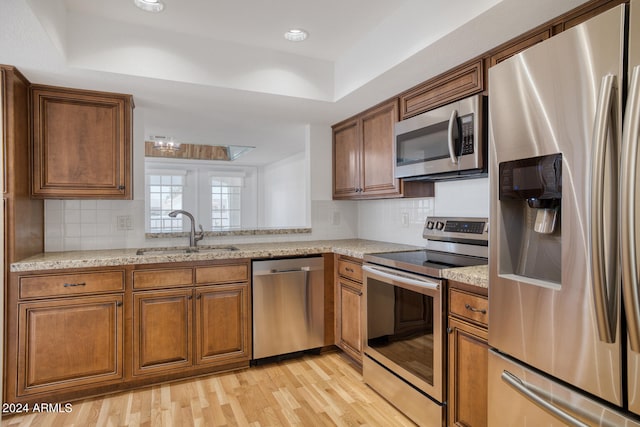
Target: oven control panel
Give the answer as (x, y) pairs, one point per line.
(451, 228)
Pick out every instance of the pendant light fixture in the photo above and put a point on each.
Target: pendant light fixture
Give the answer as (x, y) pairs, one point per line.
(165, 143)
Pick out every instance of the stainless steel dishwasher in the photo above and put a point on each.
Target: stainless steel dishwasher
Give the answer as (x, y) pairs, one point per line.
(288, 306)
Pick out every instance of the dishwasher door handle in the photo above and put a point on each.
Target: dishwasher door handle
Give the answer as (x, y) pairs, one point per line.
(291, 270)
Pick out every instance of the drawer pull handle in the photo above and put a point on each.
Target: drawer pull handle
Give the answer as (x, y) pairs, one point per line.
(475, 310)
(349, 270)
(72, 285)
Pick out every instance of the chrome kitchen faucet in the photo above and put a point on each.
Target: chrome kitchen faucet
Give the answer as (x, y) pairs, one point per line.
(194, 237)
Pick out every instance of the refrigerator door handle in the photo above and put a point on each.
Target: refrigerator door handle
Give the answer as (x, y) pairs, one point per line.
(628, 226)
(523, 389)
(604, 297)
(453, 121)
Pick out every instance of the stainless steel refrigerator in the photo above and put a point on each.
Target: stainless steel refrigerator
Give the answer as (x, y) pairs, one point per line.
(564, 306)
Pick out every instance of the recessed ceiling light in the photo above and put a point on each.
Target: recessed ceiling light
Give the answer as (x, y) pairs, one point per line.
(296, 35)
(149, 5)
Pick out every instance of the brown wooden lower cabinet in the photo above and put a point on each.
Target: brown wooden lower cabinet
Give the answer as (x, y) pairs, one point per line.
(76, 333)
(468, 359)
(171, 326)
(162, 330)
(222, 329)
(349, 323)
(66, 343)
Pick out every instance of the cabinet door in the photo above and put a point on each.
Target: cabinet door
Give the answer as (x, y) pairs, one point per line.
(346, 159)
(468, 365)
(81, 144)
(455, 84)
(223, 322)
(349, 327)
(69, 343)
(378, 156)
(162, 330)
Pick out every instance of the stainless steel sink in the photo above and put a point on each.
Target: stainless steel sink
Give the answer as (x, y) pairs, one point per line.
(185, 250)
(215, 248)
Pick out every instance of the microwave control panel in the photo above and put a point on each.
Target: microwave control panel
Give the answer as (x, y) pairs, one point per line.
(466, 130)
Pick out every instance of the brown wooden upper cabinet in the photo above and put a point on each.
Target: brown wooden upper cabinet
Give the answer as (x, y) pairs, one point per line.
(455, 84)
(363, 154)
(81, 144)
(517, 45)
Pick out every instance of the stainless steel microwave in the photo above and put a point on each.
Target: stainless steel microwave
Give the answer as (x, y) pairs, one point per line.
(444, 143)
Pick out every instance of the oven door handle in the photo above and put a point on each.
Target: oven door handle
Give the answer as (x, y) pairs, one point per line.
(402, 278)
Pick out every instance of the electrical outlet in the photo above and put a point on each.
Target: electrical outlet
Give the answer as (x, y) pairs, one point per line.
(404, 218)
(124, 222)
(335, 218)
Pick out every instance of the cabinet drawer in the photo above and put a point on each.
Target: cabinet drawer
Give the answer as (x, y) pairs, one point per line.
(471, 307)
(71, 284)
(223, 273)
(350, 269)
(162, 278)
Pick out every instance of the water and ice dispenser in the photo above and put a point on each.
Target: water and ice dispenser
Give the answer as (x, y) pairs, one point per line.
(530, 193)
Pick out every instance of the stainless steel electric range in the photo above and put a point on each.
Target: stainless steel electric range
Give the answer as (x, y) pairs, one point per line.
(404, 315)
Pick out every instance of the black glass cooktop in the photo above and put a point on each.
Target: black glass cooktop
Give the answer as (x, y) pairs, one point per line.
(426, 262)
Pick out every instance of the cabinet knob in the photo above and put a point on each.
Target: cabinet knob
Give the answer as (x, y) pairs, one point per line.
(121, 187)
(119, 304)
(449, 330)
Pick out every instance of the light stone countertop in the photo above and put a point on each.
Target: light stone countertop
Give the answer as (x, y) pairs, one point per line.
(357, 248)
(104, 258)
(476, 275)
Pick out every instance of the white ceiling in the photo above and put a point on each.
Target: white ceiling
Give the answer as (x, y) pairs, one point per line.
(220, 72)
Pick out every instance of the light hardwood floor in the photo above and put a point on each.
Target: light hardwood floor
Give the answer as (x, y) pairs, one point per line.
(322, 390)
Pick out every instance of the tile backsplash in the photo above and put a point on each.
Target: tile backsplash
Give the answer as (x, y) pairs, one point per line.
(103, 224)
(402, 220)
(93, 224)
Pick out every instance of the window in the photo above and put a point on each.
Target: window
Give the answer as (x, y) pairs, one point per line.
(226, 203)
(219, 198)
(165, 195)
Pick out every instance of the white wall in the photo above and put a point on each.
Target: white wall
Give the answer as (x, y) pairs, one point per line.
(462, 198)
(320, 161)
(283, 182)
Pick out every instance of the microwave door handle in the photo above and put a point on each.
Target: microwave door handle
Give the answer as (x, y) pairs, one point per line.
(453, 121)
(628, 226)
